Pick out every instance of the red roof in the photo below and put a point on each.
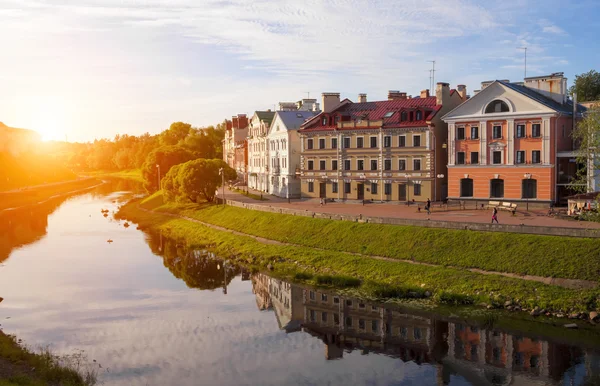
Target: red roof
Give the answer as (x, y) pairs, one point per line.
(374, 111)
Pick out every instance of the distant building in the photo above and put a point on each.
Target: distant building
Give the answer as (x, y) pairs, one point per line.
(258, 150)
(235, 147)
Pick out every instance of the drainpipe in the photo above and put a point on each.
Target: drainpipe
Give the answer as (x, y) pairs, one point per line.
(339, 143)
(381, 162)
(556, 159)
(435, 179)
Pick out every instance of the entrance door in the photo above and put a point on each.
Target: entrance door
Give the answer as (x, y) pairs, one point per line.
(360, 191)
(322, 190)
(402, 192)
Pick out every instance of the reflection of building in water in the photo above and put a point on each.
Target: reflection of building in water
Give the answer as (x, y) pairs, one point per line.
(283, 297)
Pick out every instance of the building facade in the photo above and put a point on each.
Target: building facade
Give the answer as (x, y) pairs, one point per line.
(381, 151)
(258, 150)
(512, 142)
(284, 150)
(235, 146)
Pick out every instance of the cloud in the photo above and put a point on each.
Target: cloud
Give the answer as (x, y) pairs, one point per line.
(550, 28)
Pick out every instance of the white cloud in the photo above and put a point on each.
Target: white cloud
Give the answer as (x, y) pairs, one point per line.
(550, 28)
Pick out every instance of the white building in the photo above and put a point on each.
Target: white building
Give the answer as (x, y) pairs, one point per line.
(258, 152)
(284, 152)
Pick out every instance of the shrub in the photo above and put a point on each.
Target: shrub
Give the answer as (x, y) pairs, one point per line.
(303, 276)
(454, 299)
(338, 281)
(400, 292)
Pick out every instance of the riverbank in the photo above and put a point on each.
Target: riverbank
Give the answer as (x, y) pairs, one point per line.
(34, 195)
(328, 256)
(21, 366)
(132, 174)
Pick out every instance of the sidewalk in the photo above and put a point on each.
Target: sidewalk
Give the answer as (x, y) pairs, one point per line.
(536, 217)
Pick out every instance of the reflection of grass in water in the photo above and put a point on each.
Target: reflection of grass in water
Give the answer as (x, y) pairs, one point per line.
(23, 366)
(33, 196)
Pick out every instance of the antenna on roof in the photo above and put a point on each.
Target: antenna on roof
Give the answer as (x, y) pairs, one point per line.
(430, 77)
(307, 94)
(432, 73)
(525, 49)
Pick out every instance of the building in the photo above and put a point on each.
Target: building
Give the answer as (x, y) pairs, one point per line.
(284, 150)
(382, 151)
(284, 298)
(512, 142)
(235, 146)
(258, 150)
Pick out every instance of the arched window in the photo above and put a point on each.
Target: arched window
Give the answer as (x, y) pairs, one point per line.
(497, 188)
(419, 115)
(466, 187)
(529, 188)
(403, 116)
(497, 106)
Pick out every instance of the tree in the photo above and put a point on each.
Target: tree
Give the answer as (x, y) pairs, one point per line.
(166, 157)
(176, 133)
(587, 86)
(587, 136)
(201, 179)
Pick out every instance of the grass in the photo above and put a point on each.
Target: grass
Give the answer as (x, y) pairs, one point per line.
(21, 366)
(546, 256)
(376, 278)
(35, 195)
(132, 174)
(253, 196)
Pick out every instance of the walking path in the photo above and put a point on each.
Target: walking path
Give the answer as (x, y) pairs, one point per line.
(533, 217)
(565, 283)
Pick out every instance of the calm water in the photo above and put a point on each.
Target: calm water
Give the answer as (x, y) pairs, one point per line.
(153, 313)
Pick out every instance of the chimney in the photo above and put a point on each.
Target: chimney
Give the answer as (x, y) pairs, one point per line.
(462, 91)
(362, 98)
(442, 92)
(425, 93)
(553, 86)
(475, 92)
(329, 101)
(395, 94)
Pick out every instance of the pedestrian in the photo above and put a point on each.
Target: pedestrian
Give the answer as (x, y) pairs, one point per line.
(321, 201)
(495, 216)
(428, 207)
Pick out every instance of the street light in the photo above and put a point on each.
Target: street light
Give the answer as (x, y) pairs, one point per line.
(441, 177)
(527, 177)
(159, 186)
(407, 188)
(222, 174)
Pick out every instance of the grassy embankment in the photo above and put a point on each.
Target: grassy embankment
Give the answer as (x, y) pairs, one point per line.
(37, 194)
(132, 174)
(251, 195)
(21, 366)
(387, 279)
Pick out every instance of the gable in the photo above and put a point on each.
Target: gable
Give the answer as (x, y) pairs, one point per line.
(519, 104)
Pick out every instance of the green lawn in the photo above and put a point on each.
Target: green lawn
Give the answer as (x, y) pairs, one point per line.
(547, 256)
(133, 174)
(377, 277)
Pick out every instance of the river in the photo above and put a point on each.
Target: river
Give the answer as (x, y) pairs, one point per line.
(152, 312)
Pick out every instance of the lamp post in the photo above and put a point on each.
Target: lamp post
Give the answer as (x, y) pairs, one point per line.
(159, 187)
(407, 188)
(440, 177)
(528, 177)
(222, 173)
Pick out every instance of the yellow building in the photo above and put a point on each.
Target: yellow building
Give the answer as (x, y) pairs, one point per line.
(380, 151)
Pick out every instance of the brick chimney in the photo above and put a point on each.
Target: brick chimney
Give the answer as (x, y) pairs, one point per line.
(425, 93)
(329, 101)
(395, 94)
(462, 91)
(442, 92)
(362, 98)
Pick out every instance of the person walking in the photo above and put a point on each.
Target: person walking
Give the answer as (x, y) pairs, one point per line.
(428, 207)
(495, 216)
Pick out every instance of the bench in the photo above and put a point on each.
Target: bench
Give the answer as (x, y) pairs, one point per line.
(453, 203)
(493, 204)
(510, 207)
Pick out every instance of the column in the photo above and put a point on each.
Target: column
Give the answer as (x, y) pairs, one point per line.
(511, 141)
(380, 163)
(451, 144)
(546, 142)
(483, 143)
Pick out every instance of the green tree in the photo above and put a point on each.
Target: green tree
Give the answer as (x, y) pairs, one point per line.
(201, 178)
(166, 157)
(176, 133)
(587, 86)
(587, 136)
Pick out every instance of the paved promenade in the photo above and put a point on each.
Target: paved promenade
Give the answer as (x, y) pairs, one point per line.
(533, 217)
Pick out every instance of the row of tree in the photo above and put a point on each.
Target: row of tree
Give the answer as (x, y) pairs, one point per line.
(196, 180)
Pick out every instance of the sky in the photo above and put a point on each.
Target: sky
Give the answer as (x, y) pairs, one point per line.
(90, 69)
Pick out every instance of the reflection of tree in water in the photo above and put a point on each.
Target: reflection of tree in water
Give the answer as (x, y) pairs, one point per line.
(113, 185)
(191, 266)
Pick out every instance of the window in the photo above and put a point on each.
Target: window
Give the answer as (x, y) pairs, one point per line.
(403, 332)
(334, 143)
(417, 189)
(361, 324)
(324, 121)
(497, 106)
(520, 157)
(334, 187)
(535, 130)
(361, 305)
(416, 164)
(536, 156)
(520, 131)
(373, 142)
(402, 141)
(374, 188)
(321, 143)
(417, 333)
(466, 187)
(387, 141)
(311, 187)
(497, 132)
(497, 157)
(375, 325)
(324, 317)
(387, 189)
(334, 164)
(460, 133)
(348, 321)
(474, 157)
(348, 303)
(496, 353)
(373, 164)
(416, 140)
(311, 294)
(387, 164)
(419, 115)
(474, 132)
(359, 142)
(529, 188)
(346, 142)
(309, 144)
(336, 300)
(311, 164)
(402, 164)
(336, 319)
(403, 116)
(361, 164)
(497, 188)
(313, 316)
(346, 164)
(347, 187)
(322, 165)
(388, 114)
(460, 158)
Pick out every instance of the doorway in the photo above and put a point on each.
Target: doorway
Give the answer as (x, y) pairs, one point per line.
(322, 190)
(360, 188)
(402, 192)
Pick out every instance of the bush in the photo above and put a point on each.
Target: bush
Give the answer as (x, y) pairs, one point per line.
(338, 281)
(303, 276)
(399, 292)
(454, 299)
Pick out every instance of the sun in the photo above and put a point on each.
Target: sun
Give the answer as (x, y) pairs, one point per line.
(49, 120)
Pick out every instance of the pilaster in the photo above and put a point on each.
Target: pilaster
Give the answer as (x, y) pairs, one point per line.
(483, 159)
(510, 148)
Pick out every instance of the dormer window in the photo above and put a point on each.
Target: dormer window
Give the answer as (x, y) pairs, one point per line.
(403, 117)
(419, 115)
(388, 114)
(324, 121)
(497, 106)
